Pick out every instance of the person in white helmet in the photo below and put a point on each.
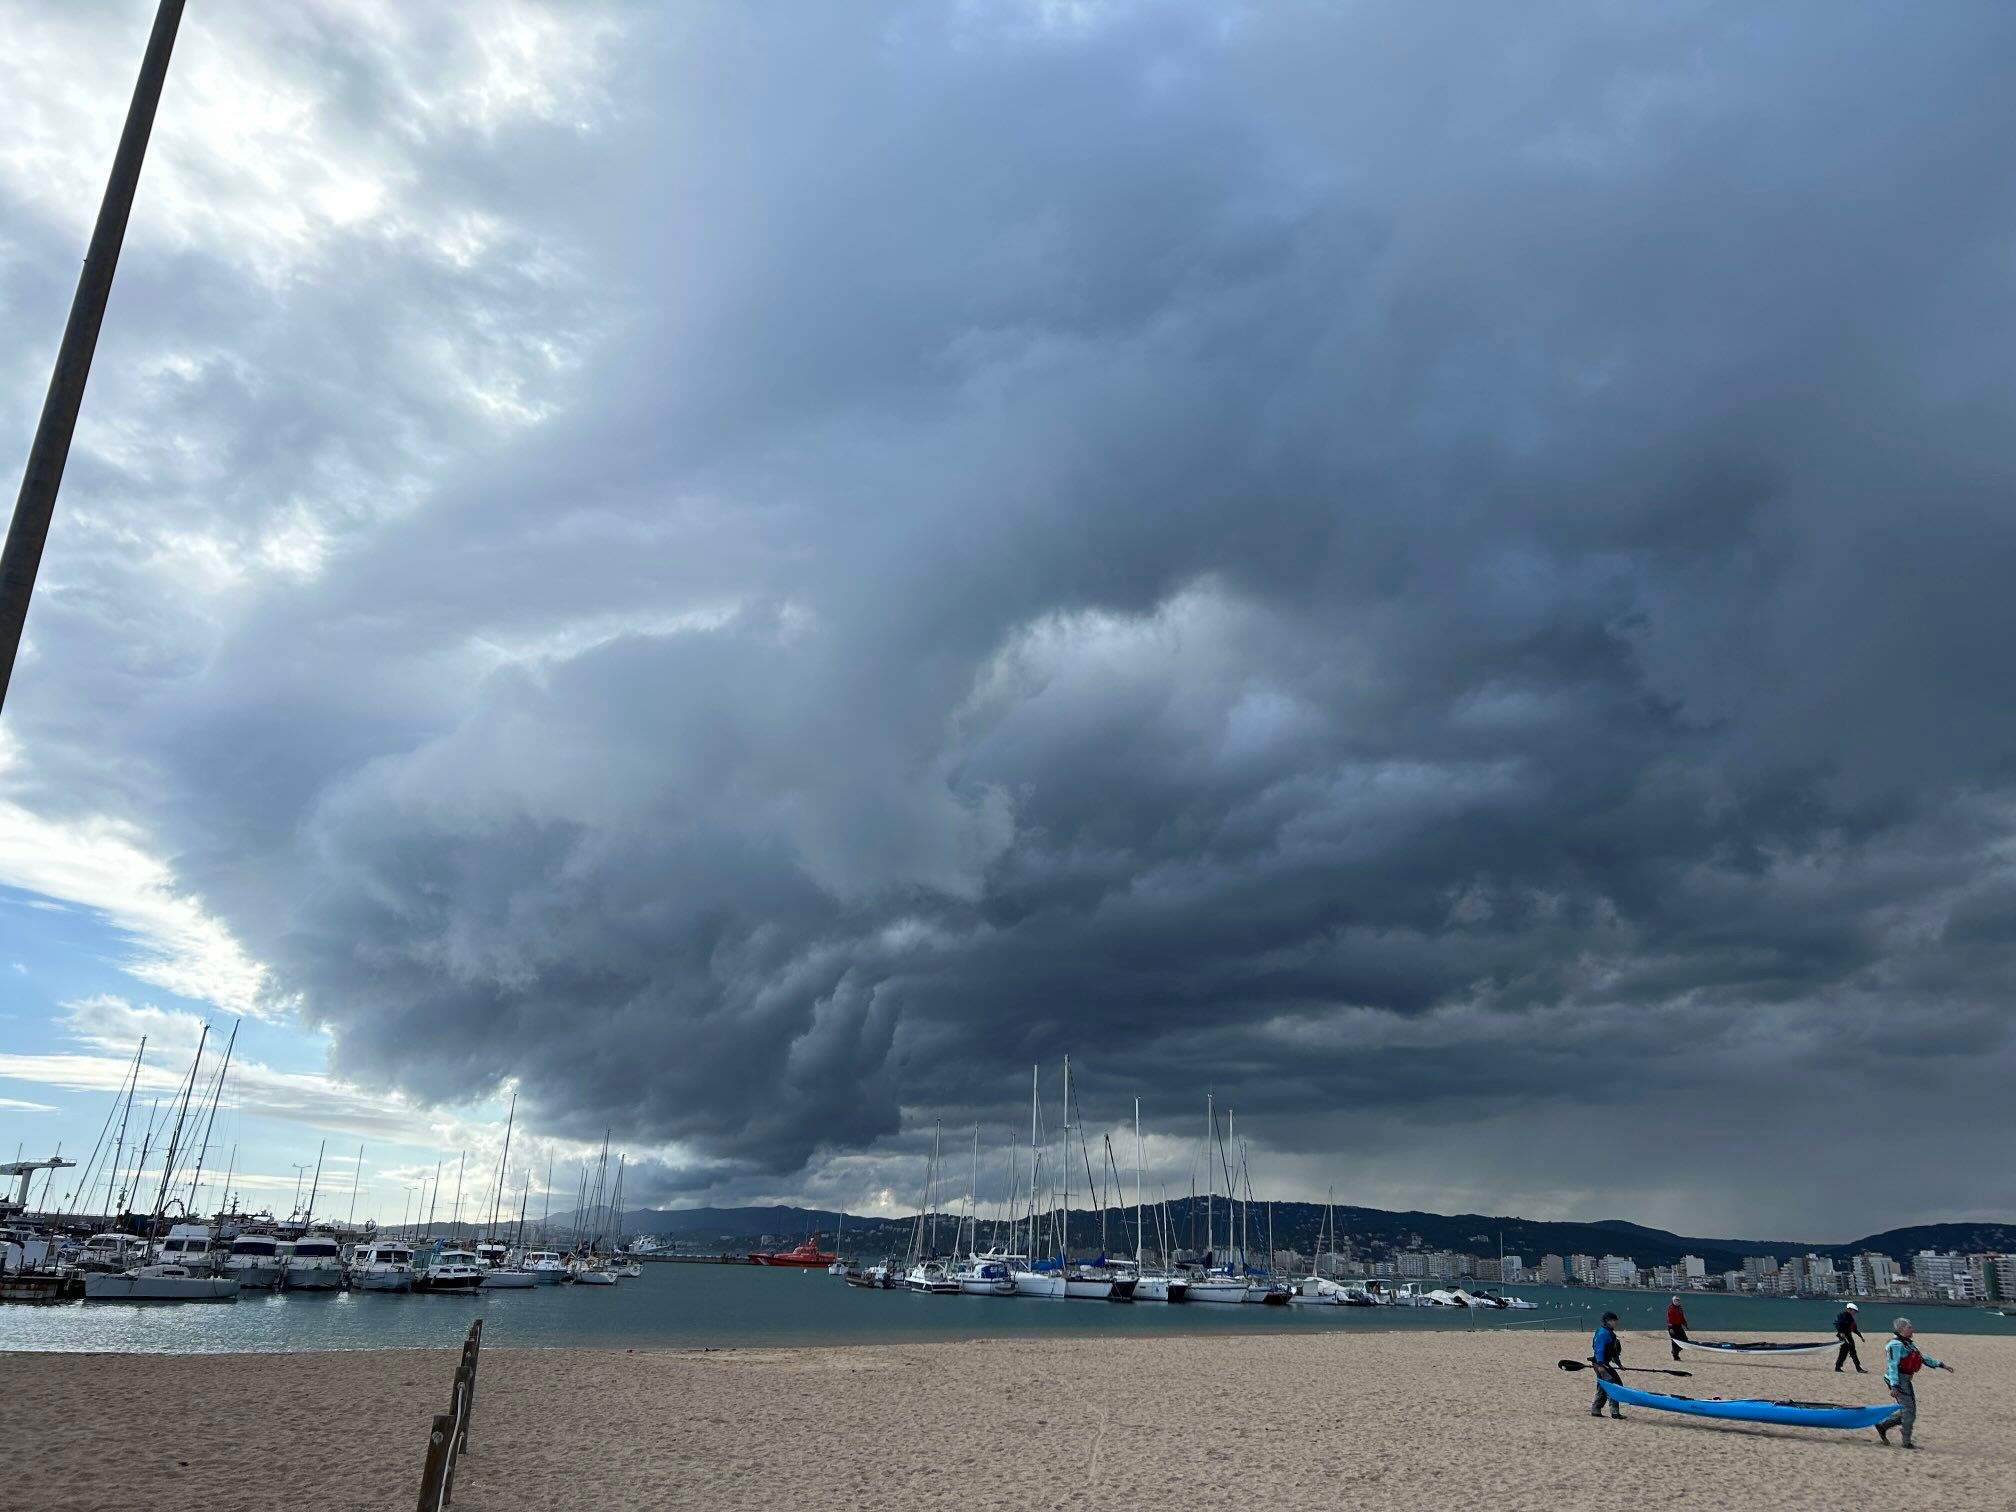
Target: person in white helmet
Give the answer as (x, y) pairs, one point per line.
(1847, 1329)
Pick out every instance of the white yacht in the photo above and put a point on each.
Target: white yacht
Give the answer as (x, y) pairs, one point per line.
(316, 1264)
(1216, 1286)
(507, 1277)
(986, 1276)
(112, 1252)
(932, 1278)
(545, 1266)
(158, 1283)
(191, 1246)
(453, 1270)
(381, 1267)
(257, 1261)
(1156, 1286)
(589, 1272)
(491, 1255)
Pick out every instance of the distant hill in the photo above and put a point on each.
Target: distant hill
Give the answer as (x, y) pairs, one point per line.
(1296, 1226)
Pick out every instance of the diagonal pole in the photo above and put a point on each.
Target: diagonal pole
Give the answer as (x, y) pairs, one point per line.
(36, 504)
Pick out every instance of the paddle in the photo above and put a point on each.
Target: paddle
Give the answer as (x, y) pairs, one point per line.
(1634, 1369)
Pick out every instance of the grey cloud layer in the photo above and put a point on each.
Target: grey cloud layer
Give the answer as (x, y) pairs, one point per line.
(1442, 574)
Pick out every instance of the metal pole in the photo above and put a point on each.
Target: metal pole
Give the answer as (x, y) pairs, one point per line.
(36, 504)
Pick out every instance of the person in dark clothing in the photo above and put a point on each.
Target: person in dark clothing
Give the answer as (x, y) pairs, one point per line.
(1676, 1324)
(1847, 1329)
(1605, 1350)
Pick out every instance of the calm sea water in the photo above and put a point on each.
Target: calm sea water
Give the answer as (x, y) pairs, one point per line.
(694, 1306)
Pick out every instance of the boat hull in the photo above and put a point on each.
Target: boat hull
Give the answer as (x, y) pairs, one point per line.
(1161, 1289)
(257, 1277)
(120, 1288)
(508, 1280)
(381, 1281)
(314, 1278)
(1791, 1414)
(1216, 1292)
(456, 1285)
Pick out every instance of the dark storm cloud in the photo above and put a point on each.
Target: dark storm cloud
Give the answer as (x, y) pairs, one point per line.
(1441, 573)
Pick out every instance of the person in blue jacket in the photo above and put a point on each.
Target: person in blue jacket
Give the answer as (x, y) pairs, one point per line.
(1902, 1360)
(1605, 1350)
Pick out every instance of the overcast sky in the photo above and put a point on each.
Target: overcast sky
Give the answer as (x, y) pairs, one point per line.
(1439, 572)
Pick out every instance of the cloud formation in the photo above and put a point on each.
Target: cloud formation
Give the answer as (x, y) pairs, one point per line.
(1439, 572)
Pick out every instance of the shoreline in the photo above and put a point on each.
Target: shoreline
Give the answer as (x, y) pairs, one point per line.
(1397, 1418)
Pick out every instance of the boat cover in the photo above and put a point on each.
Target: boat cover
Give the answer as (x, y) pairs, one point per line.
(1798, 1414)
(1724, 1348)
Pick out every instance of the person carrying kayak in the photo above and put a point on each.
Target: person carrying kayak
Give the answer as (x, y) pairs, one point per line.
(1605, 1350)
(1676, 1325)
(1902, 1362)
(1848, 1329)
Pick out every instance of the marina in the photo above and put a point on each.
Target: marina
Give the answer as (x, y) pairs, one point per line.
(734, 1306)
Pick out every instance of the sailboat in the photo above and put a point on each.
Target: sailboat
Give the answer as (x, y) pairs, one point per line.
(1050, 1277)
(1213, 1286)
(980, 1275)
(167, 1282)
(1149, 1286)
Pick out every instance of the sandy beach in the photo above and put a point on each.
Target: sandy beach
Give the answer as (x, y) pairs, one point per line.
(1404, 1419)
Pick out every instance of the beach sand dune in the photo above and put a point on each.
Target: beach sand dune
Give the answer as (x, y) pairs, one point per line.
(1351, 1418)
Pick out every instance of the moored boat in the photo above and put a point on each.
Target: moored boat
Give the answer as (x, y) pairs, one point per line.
(806, 1256)
(316, 1264)
(381, 1267)
(546, 1267)
(257, 1261)
(158, 1283)
(453, 1270)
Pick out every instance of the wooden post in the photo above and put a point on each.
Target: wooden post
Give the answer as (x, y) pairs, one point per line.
(435, 1474)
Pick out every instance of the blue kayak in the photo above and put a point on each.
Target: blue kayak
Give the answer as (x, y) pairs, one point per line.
(1747, 1410)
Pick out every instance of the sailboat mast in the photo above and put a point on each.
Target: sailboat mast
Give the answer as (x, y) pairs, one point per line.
(216, 1096)
(973, 1198)
(461, 1167)
(1137, 1186)
(546, 1205)
(356, 1176)
(1033, 1070)
(1064, 1209)
(434, 1200)
(175, 1138)
(503, 1161)
(118, 1167)
(1210, 1171)
(308, 1216)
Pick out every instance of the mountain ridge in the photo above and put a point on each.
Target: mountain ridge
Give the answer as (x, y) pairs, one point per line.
(1296, 1225)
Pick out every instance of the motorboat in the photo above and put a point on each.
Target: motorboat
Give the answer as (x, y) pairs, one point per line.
(158, 1283)
(191, 1246)
(546, 1267)
(586, 1274)
(630, 1272)
(508, 1278)
(985, 1276)
(1268, 1293)
(257, 1261)
(807, 1255)
(932, 1278)
(1315, 1291)
(493, 1256)
(453, 1270)
(316, 1264)
(381, 1267)
(873, 1278)
(113, 1252)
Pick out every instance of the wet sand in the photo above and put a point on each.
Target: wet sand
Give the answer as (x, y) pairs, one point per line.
(1403, 1419)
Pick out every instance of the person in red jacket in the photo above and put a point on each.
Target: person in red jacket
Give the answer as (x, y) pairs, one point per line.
(1676, 1324)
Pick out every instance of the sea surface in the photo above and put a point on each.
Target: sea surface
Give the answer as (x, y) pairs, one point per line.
(740, 1306)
